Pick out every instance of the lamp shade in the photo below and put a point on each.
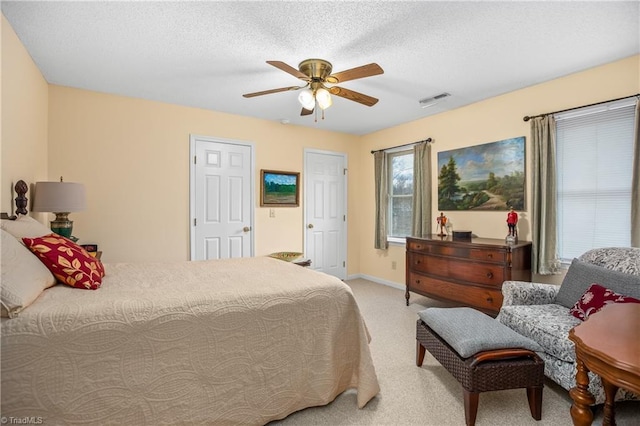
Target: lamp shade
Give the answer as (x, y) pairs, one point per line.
(324, 98)
(306, 99)
(59, 197)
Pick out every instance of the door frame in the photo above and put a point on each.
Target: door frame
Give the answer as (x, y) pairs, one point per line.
(344, 201)
(193, 139)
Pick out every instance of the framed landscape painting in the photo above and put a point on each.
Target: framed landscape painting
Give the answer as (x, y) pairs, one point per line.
(490, 176)
(279, 189)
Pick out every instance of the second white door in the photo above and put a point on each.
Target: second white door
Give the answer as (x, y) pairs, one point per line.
(325, 211)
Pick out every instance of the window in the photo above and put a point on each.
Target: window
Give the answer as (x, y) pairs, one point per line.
(594, 172)
(400, 194)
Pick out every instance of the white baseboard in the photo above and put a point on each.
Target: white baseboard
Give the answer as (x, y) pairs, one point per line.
(378, 281)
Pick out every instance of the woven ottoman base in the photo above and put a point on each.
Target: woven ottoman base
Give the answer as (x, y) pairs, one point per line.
(485, 371)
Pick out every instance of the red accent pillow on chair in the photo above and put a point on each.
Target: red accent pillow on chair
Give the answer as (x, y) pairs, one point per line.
(595, 298)
(67, 261)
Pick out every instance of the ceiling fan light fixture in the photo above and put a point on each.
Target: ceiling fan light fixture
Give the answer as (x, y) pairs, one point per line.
(316, 73)
(324, 98)
(306, 99)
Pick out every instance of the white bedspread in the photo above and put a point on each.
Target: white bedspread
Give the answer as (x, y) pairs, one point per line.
(212, 342)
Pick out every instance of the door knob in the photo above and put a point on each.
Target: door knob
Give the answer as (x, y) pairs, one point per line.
(310, 226)
(246, 229)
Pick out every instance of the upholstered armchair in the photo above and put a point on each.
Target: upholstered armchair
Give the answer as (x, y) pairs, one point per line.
(542, 311)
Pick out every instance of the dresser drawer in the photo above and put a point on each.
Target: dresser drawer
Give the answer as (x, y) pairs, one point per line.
(417, 246)
(485, 299)
(442, 250)
(488, 255)
(456, 269)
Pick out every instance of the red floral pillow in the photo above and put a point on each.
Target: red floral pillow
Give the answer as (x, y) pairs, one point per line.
(595, 298)
(67, 261)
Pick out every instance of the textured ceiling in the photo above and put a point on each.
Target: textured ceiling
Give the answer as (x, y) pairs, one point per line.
(207, 54)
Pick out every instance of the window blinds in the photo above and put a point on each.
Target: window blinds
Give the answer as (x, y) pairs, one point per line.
(594, 168)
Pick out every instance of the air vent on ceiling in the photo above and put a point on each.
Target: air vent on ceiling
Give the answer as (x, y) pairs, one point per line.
(427, 102)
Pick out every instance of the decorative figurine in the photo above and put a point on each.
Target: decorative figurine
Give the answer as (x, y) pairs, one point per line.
(21, 200)
(512, 221)
(442, 222)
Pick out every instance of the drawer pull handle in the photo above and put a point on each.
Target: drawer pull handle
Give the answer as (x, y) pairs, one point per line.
(418, 246)
(490, 299)
(489, 274)
(490, 256)
(417, 281)
(417, 262)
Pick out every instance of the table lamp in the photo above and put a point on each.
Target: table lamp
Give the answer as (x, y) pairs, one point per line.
(59, 198)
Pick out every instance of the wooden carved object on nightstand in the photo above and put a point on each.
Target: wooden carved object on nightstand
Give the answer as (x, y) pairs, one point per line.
(21, 200)
(21, 189)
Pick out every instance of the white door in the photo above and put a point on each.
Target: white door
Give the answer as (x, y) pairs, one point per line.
(325, 211)
(221, 199)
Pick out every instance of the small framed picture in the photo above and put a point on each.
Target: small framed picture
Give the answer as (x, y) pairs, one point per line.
(279, 189)
(90, 247)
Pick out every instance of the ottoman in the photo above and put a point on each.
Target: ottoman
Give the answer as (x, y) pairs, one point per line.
(482, 354)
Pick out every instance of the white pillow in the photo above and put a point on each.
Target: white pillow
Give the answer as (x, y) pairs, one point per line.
(24, 276)
(24, 226)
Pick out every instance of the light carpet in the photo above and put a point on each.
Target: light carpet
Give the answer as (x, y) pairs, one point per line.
(429, 395)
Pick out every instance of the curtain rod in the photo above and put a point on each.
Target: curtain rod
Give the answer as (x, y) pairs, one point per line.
(527, 118)
(428, 140)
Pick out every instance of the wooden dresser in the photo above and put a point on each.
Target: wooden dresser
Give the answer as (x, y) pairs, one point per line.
(466, 272)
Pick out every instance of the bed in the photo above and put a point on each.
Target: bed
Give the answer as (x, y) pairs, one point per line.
(237, 341)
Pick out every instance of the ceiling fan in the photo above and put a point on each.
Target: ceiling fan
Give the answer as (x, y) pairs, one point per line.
(317, 73)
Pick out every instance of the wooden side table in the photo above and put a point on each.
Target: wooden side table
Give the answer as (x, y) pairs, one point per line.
(607, 344)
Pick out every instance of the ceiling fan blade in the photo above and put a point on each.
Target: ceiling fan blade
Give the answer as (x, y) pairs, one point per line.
(289, 69)
(353, 96)
(306, 111)
(354, 73)
(267, 92)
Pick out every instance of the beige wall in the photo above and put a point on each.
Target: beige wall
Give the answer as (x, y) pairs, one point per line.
(24, 118)
(133, 157)
(487, 121)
